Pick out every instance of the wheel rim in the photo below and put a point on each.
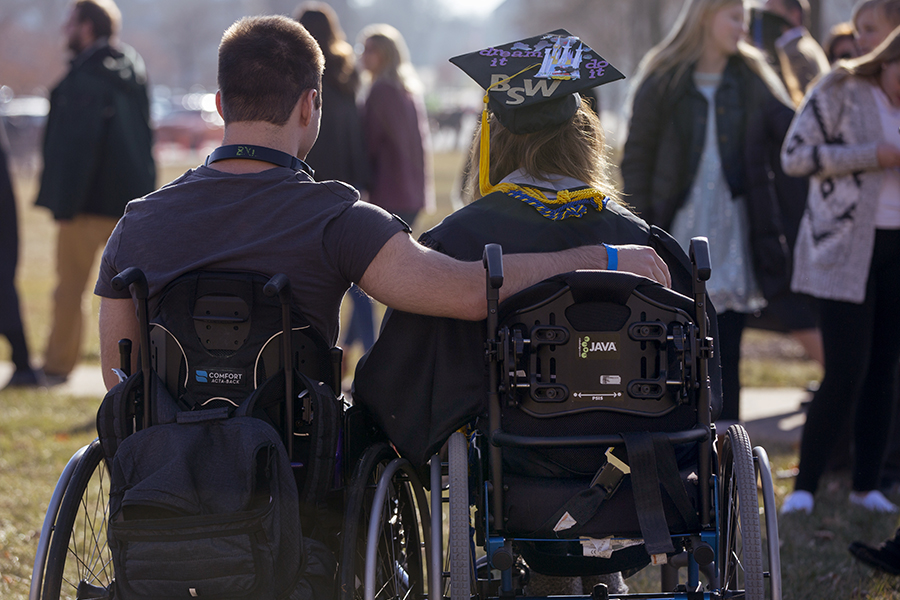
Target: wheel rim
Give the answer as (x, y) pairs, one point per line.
(399, 561)
(79, 563)
(398, 569)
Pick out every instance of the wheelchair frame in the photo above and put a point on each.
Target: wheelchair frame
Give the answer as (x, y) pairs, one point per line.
(73, 559)
(730, 552)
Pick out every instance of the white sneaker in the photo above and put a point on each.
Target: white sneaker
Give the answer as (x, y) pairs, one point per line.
(796, 501)
(873, 500)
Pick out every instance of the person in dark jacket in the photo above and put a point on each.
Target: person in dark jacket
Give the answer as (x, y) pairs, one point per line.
(686, 166)
(97, 157)
(10, 316)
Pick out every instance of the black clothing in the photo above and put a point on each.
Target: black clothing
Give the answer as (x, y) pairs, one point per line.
(858, 354)
(339, 152)
(665, 144)
(425, 376)
(10, 314)
(98, 141)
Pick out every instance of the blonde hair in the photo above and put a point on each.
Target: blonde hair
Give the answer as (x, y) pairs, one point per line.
(390, 44)
(576, 149)
(889, 8)
(683, 47)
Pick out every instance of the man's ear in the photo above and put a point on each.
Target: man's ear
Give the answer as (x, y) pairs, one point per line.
(307, 106)
(219, 104)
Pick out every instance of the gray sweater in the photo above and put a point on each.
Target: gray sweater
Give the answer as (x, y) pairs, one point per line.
(834, 139)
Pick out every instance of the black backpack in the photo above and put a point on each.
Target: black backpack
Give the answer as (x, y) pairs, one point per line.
(204, 501)
(204, 504)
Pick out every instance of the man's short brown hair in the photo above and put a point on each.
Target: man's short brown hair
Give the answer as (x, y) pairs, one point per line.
(265, 65)
(103, 15)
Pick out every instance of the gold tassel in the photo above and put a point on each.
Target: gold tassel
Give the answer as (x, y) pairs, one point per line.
(484, 155)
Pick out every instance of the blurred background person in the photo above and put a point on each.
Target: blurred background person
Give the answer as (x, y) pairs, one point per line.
(97, 157)
(800, 56)
(845, 137)
(339, 152)
(685, 163)
(841, 43)
(873, 21)
(778, 30)
(397, 140)
(10, 316)
(396, 126)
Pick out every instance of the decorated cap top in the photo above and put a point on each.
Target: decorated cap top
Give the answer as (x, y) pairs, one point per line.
(533, 83)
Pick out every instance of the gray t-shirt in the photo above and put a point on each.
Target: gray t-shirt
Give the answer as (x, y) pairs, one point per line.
(277, 221)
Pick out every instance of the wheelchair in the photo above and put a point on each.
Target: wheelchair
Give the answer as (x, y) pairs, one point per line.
(597, 453)
(246, 327)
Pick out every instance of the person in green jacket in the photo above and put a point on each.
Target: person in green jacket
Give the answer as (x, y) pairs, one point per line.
(97, 157)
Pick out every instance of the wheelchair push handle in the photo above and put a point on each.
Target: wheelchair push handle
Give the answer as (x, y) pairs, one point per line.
(132, 277)
(700, 258)
(279, 285)
(492, 259)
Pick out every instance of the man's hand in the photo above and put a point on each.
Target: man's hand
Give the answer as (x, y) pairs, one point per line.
(643, 260)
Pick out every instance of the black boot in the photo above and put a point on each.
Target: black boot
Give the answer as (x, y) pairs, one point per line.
(885, 557)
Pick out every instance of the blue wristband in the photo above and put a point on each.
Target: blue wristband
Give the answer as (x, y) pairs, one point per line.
(612, 257)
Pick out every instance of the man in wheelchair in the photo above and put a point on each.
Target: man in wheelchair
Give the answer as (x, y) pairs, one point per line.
(255, 206)
(548, 155)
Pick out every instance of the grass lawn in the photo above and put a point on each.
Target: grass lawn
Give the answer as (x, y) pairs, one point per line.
(39, 430)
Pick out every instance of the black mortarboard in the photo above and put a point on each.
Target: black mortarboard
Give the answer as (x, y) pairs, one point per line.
(535, 81)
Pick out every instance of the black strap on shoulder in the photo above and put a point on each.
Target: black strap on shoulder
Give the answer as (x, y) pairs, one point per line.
(261, 153)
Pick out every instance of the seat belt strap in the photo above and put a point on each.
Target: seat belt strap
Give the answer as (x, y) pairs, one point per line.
(670, 477)
(648, 496)
(579, 509)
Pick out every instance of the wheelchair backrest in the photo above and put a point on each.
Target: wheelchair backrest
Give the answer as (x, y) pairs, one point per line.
(215, 337)
(597, 352)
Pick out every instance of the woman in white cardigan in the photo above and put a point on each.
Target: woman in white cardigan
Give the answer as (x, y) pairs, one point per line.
(845, 136)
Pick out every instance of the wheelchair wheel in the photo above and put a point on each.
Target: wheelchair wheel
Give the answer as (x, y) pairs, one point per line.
(458, 547)
(399, 561)
(740, 541)
(79, 563)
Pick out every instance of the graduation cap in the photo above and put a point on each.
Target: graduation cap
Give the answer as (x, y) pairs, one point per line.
(533, 83)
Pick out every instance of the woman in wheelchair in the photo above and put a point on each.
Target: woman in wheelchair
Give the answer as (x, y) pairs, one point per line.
(553, 191)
